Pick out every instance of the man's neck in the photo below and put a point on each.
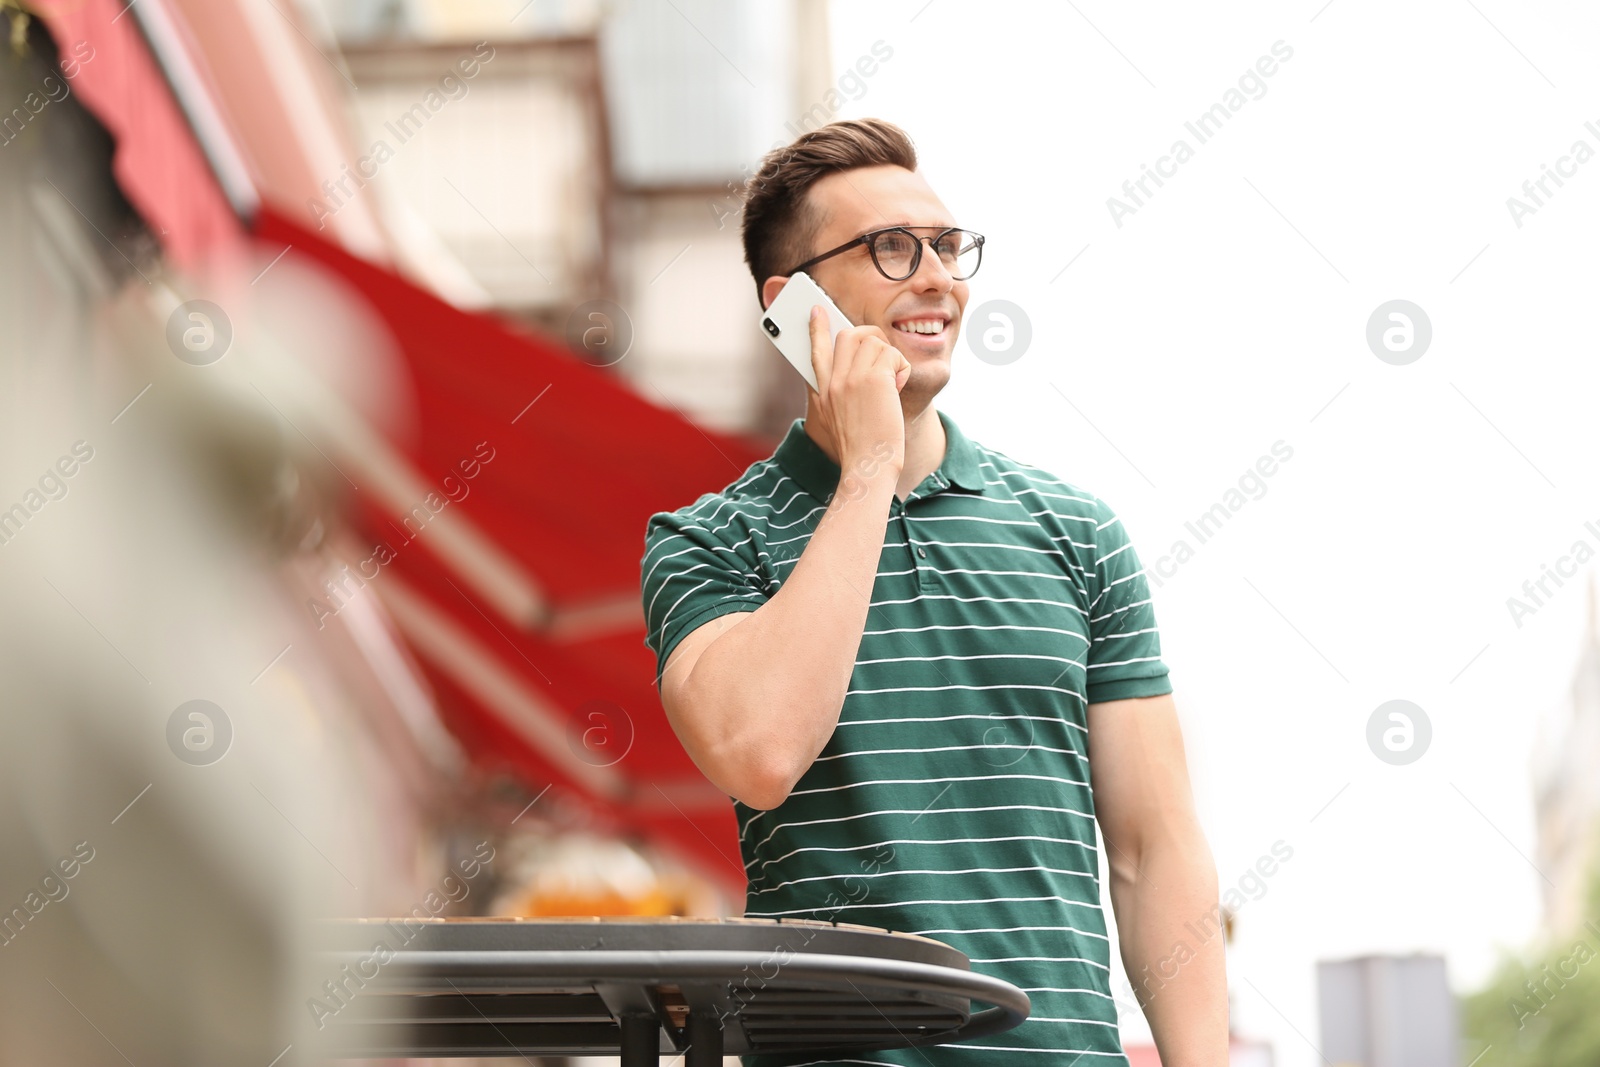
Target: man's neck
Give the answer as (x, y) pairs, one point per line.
(925, 448)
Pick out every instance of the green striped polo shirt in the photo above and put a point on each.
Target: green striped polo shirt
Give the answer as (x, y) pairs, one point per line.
(953, 799)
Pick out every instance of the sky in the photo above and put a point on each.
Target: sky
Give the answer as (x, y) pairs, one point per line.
(1178, 339)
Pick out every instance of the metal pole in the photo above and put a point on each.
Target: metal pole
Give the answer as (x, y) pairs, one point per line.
(641, 1041)
(705, 1039)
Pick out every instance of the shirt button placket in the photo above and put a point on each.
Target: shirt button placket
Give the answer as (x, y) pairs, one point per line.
(897, 512)
(913, 554)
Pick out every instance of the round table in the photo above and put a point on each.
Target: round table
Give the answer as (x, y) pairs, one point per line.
(642, 987)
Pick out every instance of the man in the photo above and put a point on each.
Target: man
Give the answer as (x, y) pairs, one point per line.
(902, 653)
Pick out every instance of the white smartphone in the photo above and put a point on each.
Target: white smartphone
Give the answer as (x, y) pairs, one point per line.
(787, 321)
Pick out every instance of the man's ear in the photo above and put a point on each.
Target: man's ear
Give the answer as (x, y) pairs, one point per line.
(770, 289)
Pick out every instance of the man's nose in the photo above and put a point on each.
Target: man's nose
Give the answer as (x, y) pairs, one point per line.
(931, 271)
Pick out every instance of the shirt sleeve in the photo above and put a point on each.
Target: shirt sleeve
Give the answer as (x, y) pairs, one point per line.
(1125, 645)
(688, 577)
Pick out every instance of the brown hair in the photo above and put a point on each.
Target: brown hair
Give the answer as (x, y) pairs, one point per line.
(779, 223)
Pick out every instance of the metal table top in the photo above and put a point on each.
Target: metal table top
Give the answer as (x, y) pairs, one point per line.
(644, 987)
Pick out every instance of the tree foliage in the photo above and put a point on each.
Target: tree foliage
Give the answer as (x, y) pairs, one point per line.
(1542, 1009)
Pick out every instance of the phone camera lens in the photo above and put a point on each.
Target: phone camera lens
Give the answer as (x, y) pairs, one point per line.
(770, 326)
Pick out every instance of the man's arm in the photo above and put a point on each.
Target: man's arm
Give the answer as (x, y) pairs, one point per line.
(1163, 879)
(754, 697)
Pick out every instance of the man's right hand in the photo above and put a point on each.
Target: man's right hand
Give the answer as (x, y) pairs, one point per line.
(859, 378)
(755, 696)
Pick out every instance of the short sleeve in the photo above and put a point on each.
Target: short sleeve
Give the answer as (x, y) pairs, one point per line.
(688, 577)
(1125, 645)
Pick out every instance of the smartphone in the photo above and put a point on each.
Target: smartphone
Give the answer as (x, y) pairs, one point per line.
(787, 322)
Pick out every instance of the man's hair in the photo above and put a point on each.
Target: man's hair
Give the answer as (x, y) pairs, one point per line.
(779, 222)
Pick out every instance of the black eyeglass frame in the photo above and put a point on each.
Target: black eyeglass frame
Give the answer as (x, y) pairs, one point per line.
(870, 237)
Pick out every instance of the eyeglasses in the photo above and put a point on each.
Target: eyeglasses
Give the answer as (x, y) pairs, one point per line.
(897, 252)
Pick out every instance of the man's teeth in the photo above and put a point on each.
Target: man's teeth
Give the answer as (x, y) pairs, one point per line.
(921, 326)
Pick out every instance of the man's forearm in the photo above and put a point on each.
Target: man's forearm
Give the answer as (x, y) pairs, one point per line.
(769, 691)
(1172, 948)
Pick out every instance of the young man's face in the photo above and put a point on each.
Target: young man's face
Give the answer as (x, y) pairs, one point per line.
(850, 203)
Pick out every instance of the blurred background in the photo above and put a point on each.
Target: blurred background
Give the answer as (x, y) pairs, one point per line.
(349, 344)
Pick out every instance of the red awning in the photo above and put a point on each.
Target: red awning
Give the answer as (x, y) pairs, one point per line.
(158, 163)
(530, 622)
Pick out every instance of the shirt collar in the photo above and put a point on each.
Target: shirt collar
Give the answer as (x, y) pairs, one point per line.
(805, 461)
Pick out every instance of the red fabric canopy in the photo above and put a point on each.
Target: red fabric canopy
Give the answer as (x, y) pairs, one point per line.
(158, 163)
(567, 497)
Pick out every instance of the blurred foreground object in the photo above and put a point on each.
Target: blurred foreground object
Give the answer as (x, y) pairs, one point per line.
(185, 780)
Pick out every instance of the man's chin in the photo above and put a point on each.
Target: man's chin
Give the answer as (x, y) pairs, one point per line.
(929, 374)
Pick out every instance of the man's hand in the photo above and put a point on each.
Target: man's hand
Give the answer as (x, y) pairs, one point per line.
(859, 378)
(755, 699)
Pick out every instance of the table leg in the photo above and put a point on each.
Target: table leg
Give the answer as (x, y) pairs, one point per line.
(705, 1040)
(641, 1041)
